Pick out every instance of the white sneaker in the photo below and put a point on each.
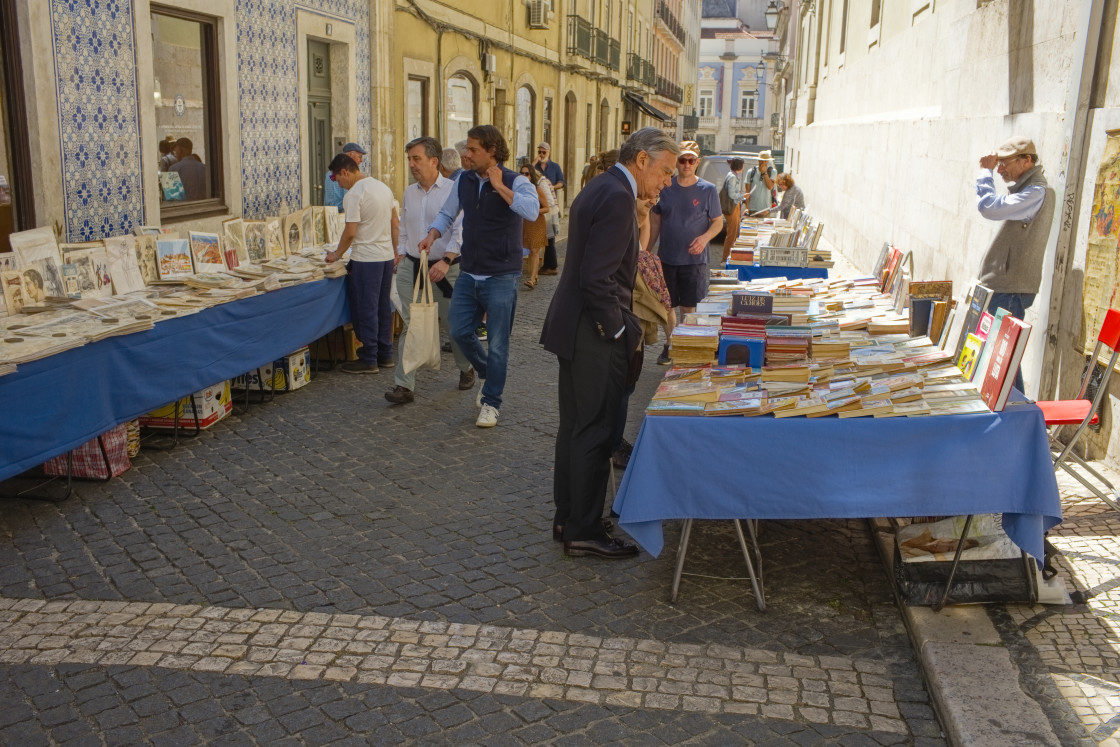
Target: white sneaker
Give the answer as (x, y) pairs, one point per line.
(487, 417)
(478, 397)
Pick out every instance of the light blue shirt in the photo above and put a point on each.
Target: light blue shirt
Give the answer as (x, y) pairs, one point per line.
(629, 177)
(332, 192)
(1023, 205)
(526, 203)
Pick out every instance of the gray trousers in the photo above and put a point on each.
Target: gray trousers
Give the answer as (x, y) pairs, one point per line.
(405, 278)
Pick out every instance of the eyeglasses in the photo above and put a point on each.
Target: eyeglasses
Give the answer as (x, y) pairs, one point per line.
(686, 159)
(541, 150)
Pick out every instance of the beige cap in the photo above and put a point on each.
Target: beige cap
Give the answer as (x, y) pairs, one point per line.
(764, 155)
(1017, 146)
(690, 146)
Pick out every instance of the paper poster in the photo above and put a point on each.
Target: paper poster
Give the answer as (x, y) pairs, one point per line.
(1102, 258)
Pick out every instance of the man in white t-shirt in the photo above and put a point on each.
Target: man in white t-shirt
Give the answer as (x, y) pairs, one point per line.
(371, 233)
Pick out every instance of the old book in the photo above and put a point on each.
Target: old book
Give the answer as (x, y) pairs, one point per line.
(11, 281)
(146, 258)
(1007, 352)
(307, 228)
(970, 355)
(206, 252)
(688, 391)
(674, 407)
(975, 305)
(869, 408)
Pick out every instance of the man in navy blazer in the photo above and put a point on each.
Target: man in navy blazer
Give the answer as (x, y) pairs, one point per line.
(596, 337)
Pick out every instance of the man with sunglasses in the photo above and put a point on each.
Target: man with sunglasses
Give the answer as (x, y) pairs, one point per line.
(1012, 266)
(686, 218)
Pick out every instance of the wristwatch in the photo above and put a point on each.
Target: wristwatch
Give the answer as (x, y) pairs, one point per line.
(446, 259)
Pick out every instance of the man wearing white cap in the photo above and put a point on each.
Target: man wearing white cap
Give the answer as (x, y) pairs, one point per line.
(758, 183)
(1012, 266)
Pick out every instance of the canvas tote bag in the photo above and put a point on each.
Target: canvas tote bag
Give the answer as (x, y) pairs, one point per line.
(421, 346)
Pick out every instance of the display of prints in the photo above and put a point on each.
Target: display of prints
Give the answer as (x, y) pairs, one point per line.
(274, 238)
(70, 281)
(293, 233)
(307, 228)
(171, 185)
(147, 231)
(319, 215)
(206, 252)
(336, 224)
(1102, 256)
(123, 267)
(233, 236)
(173, 259)
(255, 241)
(92, 262)
(10, 281)
(37, 243)
(146, 257)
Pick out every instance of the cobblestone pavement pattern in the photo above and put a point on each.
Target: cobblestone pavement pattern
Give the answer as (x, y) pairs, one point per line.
(331, 568)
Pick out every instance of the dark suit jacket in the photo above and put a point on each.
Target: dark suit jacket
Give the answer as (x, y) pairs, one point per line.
(599, 271)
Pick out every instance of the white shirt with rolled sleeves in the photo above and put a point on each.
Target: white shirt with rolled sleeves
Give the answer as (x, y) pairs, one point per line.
(420, 209)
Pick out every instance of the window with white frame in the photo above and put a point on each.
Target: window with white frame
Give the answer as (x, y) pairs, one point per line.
(748, 103)
(707, 102)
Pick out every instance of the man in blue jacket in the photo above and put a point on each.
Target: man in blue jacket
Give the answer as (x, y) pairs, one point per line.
(494, 202)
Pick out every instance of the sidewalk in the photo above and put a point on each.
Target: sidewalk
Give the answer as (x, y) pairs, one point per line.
(1012, 674)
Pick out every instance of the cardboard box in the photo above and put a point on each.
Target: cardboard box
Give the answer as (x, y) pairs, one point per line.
(341, 348)
(213, 403)
(287, 374)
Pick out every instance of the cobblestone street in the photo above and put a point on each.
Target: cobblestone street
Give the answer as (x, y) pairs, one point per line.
(329, 567)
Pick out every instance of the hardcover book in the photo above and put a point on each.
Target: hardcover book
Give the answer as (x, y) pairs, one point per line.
(752, 302)
(976, 305)
(970, 355)
(1007, 352)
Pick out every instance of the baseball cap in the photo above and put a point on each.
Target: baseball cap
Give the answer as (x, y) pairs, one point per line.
(1017, 146)
(690, 146)
(350, 147)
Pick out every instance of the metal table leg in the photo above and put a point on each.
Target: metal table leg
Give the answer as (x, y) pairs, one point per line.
(756, 578)
(956, 561)
(681, 552)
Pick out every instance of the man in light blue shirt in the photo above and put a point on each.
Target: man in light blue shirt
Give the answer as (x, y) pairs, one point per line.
(1012, 266)
(495, 203)
(332, 192)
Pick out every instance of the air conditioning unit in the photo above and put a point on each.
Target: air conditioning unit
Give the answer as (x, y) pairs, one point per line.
(538, 14)
(489, 62)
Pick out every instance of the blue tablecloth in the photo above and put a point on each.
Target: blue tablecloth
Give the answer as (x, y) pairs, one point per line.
(57, 403)
(828, 468)
(759, 272)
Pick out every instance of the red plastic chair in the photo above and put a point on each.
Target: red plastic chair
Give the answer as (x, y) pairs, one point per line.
(1083, 413)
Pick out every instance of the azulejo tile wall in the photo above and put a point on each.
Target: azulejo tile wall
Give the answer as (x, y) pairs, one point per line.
(99, 117)
(268, 80)
(99, 130)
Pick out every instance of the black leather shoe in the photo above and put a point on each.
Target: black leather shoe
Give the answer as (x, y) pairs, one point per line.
(466, 379)
(604, 548)
(399, 395)
(558, 529)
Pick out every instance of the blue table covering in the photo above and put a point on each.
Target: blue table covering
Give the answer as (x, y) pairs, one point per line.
(57, 403)
(760, 272)
(827, 468)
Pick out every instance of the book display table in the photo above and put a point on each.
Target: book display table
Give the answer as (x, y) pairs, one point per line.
(691, 467)
(760, 272)
(57, 403)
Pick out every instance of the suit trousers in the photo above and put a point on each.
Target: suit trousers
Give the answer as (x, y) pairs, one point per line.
(592, 384)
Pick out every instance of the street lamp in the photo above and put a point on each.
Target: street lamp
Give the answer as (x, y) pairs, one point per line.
(772, 15)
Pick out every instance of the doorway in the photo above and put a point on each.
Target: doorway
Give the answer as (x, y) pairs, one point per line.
(570, 141)
(319, 114)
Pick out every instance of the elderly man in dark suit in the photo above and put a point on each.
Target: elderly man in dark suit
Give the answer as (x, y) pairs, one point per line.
(596, 336)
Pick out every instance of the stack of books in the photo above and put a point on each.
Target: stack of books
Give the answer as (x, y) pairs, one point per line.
(693, 345)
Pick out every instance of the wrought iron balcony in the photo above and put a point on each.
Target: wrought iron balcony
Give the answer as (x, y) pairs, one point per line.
(669, 90)
(580, 37)
(690, 123)
(640, 70)
(665, 15)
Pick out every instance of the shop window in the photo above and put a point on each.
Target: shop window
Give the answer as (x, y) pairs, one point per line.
(188, 118)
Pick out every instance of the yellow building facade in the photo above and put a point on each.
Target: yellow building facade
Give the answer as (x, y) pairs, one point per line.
(578, 74)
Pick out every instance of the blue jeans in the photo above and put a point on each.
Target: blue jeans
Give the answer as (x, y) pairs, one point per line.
(496, 298)
(1017, 304)
(371, 313)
